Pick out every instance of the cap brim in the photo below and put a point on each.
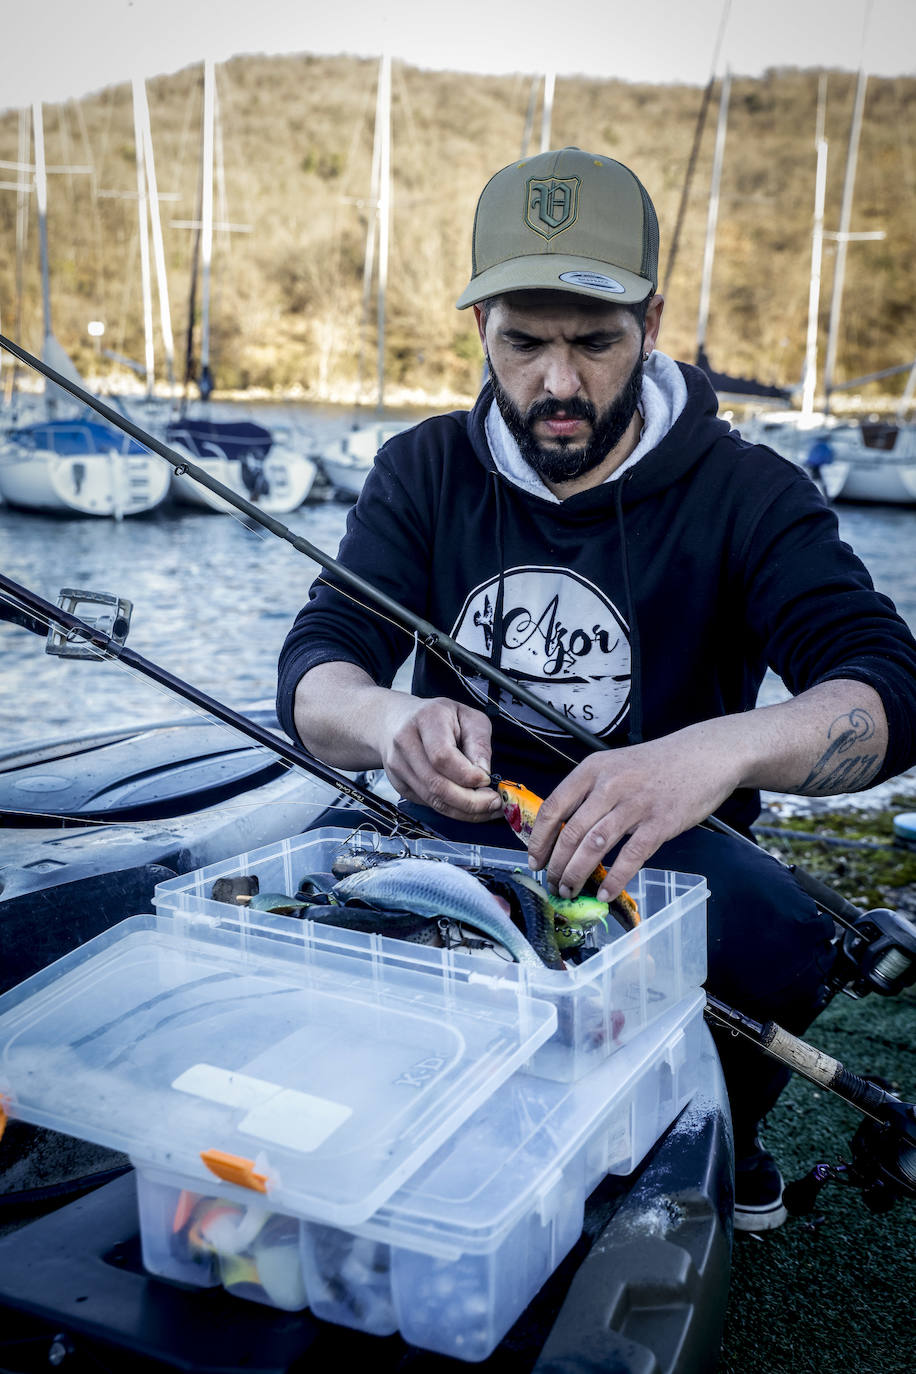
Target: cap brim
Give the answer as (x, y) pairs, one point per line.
(554, 272)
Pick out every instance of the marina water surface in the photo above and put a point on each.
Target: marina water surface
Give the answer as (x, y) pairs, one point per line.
(213, 600)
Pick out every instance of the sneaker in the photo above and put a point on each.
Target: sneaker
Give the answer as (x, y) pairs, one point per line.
(758, 1192)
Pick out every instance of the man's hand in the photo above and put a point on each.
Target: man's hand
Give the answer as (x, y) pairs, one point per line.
(831, 738)
(434, 751)
(645, 794)
(437, 752)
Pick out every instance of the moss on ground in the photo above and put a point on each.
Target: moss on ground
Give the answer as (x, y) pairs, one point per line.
(834, 1291)
(852, 851)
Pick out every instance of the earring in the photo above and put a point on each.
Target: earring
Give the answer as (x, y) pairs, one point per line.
(645, 357)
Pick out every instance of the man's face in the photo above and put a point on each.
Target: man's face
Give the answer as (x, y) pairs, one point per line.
(567, 375)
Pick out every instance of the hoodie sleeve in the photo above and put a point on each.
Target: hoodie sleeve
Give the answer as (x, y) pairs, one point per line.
(386, 543)
(813, 608)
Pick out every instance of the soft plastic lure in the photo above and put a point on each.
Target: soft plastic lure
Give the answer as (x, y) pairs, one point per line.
(520, 808)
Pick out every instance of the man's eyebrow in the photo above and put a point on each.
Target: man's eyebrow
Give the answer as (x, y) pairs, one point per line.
(591, 336)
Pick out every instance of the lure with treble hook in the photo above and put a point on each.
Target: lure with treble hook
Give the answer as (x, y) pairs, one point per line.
(520, 808)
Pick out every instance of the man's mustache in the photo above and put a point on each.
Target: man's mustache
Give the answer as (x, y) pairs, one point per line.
(576, 408)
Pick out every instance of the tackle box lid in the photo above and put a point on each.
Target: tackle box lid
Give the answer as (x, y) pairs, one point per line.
(320, 1078)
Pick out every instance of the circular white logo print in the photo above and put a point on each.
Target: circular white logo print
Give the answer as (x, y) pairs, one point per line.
(562, 639)
(593, 279)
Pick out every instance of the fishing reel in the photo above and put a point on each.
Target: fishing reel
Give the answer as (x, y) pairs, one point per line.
(884, 1146)
(876, 952)
(883, 1164)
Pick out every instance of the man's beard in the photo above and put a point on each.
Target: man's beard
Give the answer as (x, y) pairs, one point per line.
(563, 462)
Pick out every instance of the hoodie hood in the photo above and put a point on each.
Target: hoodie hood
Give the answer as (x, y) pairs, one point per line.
(693, 434)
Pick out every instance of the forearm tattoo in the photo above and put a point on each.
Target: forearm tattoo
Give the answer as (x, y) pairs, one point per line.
(846, 764)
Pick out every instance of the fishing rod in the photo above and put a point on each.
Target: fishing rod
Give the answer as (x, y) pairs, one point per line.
(427, 634)
(883, 1148)
(105, 637)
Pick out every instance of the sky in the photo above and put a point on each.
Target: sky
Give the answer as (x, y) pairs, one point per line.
(53, 50)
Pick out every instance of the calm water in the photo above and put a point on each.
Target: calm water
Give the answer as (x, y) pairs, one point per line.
(213, 600)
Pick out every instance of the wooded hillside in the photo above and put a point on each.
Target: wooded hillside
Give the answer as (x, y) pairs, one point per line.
(296, 146)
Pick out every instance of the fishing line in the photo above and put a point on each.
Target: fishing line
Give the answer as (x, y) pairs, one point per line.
(380, 809)
(436, 652)
(428, 635)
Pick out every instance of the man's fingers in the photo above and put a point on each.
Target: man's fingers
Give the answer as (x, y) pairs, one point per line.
(634, 855)
(581, 847)
(475, 741)
(418, 778)
(548, 836)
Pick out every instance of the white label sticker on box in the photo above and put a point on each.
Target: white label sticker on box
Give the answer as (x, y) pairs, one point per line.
(296, 1120)
(278, 1115)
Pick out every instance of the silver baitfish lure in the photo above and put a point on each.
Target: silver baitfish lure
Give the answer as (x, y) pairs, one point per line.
(433, 888)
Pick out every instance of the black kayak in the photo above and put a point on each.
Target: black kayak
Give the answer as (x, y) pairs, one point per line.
(88, 828)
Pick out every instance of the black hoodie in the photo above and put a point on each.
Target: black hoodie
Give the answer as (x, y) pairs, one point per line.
(637, 607)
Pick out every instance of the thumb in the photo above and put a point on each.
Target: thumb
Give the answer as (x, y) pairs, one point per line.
(475, 738)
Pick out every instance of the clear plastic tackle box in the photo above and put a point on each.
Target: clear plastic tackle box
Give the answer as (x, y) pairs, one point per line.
(335, 1128)
(630, 979)
(457, 1254)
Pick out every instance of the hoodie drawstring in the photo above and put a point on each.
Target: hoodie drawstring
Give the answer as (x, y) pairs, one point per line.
(634, 732)
(496, 646)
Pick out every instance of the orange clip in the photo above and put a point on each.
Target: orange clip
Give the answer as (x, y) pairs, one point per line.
(234, 1169)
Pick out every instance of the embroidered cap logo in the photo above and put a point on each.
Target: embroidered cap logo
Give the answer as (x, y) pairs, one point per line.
(553, 204)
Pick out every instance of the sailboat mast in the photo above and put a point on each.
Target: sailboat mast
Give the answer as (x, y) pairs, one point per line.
(23, 190)
(547, 110)
(369, 253)
(817, 253)
(383, 123)
(143, 227)
(165, 316)
(842, 237)
(206, 235)
(41, 198)
(712, 215)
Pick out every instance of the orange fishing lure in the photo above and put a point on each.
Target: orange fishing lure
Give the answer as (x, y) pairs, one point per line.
(520, 808)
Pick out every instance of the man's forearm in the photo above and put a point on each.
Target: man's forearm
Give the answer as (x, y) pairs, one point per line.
(830, 739)
(339, 714)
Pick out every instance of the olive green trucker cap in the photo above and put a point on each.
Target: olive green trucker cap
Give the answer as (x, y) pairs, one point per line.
(566, 221)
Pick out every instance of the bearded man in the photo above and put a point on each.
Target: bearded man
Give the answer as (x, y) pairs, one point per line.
(594, 530)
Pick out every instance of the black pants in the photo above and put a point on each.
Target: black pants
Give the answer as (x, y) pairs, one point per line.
(769, 952)
(768, 948)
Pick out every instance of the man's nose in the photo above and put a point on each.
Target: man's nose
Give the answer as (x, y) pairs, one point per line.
(561, 378)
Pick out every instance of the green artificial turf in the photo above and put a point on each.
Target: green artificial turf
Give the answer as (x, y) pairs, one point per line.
(836, 1290)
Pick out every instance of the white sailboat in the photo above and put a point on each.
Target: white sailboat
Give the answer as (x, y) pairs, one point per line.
(865, 462)
(74, 465)
(247, 457)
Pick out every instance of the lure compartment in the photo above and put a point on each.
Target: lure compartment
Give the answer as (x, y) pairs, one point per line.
(460, 1250)
(631, 980)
